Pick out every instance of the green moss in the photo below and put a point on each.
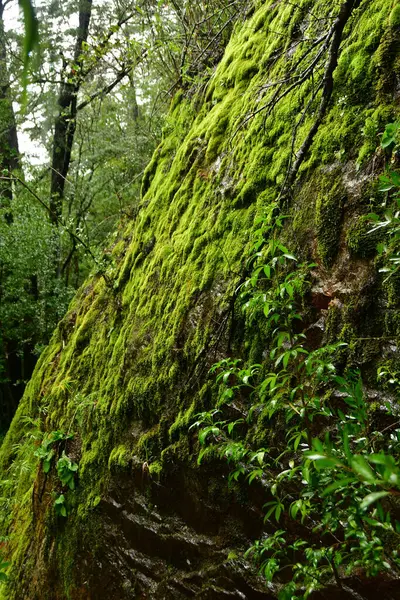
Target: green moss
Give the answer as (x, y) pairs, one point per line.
(333, 324)
(245, 71)
(148, 446)
(144, 347)
(388, 58)
(155, 469)
(359, 241)
(374, 125)
(119, 457)
(391, 288)
(149, 173)
(181, 423)
(175, 454)
(328, 219)
(394, 18)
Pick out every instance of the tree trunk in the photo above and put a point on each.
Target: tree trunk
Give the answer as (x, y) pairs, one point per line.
(10, 371)
(9, 152)
(65, 125)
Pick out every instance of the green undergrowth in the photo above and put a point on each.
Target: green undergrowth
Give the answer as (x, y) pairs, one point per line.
(139, 343)
(300, 424)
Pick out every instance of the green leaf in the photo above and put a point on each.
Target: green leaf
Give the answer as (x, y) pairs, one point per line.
(362, 468)
(327, 463)
(297, 441)
(255, 473)
(346, 444)
(385, 187)
(389, 135)
(337, 485)
(371, 498)
(226, 376)
(259, 456)
(286, 358)
(284, 335)
(31, 38)
(294, 508)
(202, 454)
(382, 459)
(290, 290)
(395, 177)
(269, 513)
(278, 512)
(322, 461)
(267, 271)
(314, 455)
(204, 433)
(318, 445)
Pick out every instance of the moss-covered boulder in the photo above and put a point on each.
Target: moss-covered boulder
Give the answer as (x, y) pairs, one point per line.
(127, 368)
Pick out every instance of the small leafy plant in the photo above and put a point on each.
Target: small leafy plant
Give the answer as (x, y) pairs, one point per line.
(3, 566)
(60, 506)
(80, 410)
(333, 471)
(46, 451)
(66, 470)
(389, 183)
(390, 135)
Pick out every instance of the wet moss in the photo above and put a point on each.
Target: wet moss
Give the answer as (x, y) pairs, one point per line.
(148, 446)
(394, 19)
(119, 457)
(360, 241)
(328, 219)
(181, 423)
(144, 347)
(388, 57)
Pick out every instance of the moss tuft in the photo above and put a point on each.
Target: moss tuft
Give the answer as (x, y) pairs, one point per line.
(328, 220)
(360, 241)
(394, 18)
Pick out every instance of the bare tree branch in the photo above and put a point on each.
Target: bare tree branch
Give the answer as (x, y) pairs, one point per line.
(345, 13)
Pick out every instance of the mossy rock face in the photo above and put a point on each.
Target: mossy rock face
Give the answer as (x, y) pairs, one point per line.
(328, 219)
(131, 358)
(360, 241)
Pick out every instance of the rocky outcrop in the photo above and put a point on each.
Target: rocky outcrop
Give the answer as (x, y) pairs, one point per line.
(127, 368)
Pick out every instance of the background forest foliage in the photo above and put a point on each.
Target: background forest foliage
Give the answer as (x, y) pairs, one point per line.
(92, 101)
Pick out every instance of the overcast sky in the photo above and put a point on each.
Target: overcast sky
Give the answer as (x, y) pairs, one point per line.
(34, 153)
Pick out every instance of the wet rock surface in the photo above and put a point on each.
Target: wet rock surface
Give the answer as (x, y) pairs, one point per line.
(162, 541)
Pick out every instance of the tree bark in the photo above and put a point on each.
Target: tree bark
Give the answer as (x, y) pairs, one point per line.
(10, 362)
(9, 152)
(65, 124)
